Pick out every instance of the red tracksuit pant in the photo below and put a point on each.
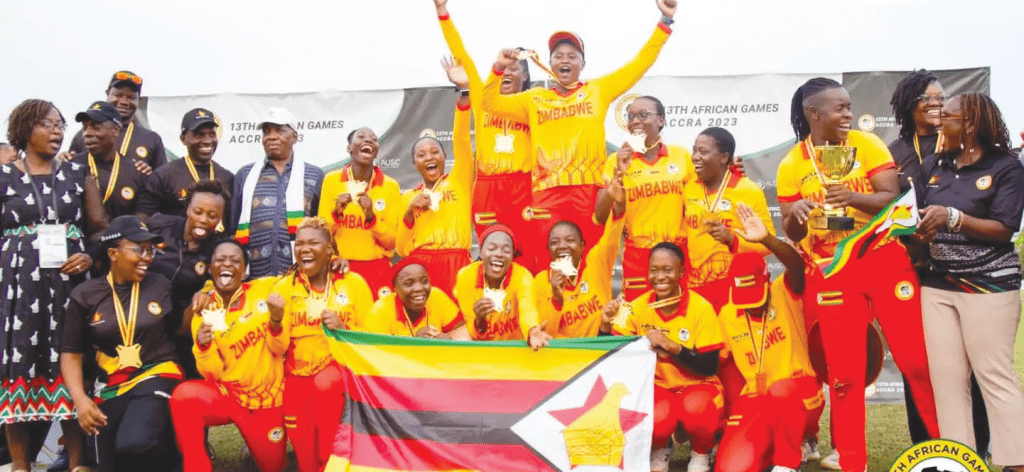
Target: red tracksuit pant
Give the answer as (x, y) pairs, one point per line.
(769, 430)
(197, 404)
(697, 408)
(443, 266)
(312, 411)
(503, 198)
(573, 203)
(881, 285)
(377, 274)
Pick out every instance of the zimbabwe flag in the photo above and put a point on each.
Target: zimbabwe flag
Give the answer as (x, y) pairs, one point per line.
(898, 218)
(415, 404)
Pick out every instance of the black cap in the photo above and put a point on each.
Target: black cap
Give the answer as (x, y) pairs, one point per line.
(99, 112)
(197, 117)
(131, 228)
(126, 77)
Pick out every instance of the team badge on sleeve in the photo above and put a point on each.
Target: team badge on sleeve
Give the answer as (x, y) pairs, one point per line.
(904, 290)
(673, 169)
(342, 299)
(200, 268)
(383, 292)
(127, 193)
(155, 308)
(379, 204)
(142, 152)
(684, 335)
(261, 306)
(983, 183)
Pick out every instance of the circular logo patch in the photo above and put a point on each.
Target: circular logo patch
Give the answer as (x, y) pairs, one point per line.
(673, 169)
(141, 151)
(620, 110)
(276, 435)
(200, 268)
(127, 193)
(378, 205)
(939, 455)
(905, 290)
(342, 299)
(261, 306)
(866, 122)
(527, 214)
(684, 335)
(155, 308)
(724, 205)
(383, 292)
(584, 288)
(983, 183)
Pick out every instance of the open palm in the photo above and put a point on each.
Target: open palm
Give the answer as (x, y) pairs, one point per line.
(456, 73)
(754, 229)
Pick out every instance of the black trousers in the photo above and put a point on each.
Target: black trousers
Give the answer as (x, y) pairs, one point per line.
(138, 435)
(918, 433)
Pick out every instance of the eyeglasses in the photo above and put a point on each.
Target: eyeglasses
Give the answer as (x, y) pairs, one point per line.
(924, 97)
(128, 76)
(47, 124)
(947, 116)
(643, 115)
(141, 251)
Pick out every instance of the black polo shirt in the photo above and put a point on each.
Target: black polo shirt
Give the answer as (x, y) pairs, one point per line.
(144, 146)
(92, 322)
(990, 189)
(185, 269)
(130, 182)
(165, 188)
(908, 163)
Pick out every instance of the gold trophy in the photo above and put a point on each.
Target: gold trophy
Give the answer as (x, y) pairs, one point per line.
(833, 164)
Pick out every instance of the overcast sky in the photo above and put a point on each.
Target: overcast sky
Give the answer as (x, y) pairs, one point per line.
(66, 50)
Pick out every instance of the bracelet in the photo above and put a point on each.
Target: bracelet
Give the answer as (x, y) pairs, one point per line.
(463, 92)
(954, 219)
(960, 217)
(667, 20)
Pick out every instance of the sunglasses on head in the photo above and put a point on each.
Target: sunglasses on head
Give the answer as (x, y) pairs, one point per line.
(128, 76)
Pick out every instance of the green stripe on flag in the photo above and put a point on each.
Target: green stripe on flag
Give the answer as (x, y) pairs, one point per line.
(600, 343)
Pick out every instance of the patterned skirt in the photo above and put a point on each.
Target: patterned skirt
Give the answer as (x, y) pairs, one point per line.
(35, 399)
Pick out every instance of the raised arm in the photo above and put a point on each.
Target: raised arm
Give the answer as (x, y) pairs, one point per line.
(463, 170)
(628, 75)
(458, 49)
(513, 107)
(756, 232)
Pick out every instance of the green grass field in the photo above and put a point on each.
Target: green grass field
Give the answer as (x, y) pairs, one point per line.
(886, 433)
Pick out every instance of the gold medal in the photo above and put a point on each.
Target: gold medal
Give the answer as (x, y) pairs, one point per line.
(504, 143)
(497, 296)
(216, 318)
(129, 356)
(625, 309)
(317, 304)
(761, 378)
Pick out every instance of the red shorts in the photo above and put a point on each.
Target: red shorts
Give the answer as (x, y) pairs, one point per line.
(697, 408)
(573, 203)
(505, 199)
(769, 429)
(377, 274)
(443, 266)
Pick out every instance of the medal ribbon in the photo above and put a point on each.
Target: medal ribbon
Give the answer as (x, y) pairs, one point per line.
(666, 302)
(917, 147)
(718, 196)
(234, 298)
(114, 171)
(758, 354)
(533, 56)
(127, 327)
(192, 169)
(127, 141)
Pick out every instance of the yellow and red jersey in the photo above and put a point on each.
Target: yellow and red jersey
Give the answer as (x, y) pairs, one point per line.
(516, 316)
(798, 180)
(348, 295)
(502, 145)
(358, 240)
(247, 360)
(567, 131)
(451, 226)
(693, 325)
(654, 195)
(388, 315)
(707, 259)
(781, 333)
(583, 296)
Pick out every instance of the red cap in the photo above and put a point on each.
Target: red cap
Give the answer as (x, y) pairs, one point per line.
(499, 228)
(565, 36)
(402, 264)
(750, 279)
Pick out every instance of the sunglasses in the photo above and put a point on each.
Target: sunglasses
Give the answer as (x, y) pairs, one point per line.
(128, 76)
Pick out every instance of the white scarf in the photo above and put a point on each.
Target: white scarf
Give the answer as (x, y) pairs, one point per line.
(295, 197)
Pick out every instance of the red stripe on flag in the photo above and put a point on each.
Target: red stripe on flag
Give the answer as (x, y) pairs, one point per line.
(396, 454)
(449, 395)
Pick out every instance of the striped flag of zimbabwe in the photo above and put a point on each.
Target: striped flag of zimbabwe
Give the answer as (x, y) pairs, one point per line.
(415, 404)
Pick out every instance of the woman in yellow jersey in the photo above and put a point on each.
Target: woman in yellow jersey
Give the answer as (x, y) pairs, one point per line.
(653, 182)
(567, 122)
(683, 330)
(437, 225)
(363, 206)
(239, 350)
(415, 308)
(881, 284)
(502, 192)
(308, 296)
(499, 292)
(571, 293)
(711, 217)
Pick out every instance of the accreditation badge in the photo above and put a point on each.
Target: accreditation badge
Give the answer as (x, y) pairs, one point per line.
(53, 247)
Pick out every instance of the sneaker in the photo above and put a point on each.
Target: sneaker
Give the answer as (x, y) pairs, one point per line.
(699, 463)
(831, 461)
(810, 450)
(660, 458)
(780, 468)
(62, 462)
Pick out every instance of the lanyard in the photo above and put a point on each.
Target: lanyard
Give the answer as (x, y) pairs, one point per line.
(917, 147)
(114, 171)
(192, 169)
(43, 216)
(127, 141)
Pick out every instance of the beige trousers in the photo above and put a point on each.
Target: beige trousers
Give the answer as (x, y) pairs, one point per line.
(965, 332)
